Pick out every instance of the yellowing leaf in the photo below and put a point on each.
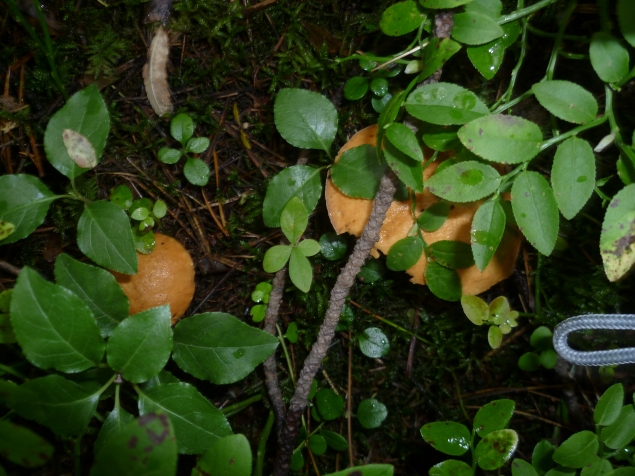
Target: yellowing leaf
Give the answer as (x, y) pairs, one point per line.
(79, 149)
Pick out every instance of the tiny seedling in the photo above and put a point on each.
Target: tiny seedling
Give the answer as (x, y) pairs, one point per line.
(497, 314)
(542, 341)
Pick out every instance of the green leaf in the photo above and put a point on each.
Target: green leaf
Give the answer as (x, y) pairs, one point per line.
(258, 312)
(297, 461)
(144, 241)
(566, 100)
(144, 447)
(276, 258)
(182, 128)
(548, 358)
(53, 326)
(536, 210)
(140, 214)
(57, 403)
(294, 220)
(7, 336)
(197, 145)
(6, 229)
(317, 444)
(475, 309)
(366, 470)
(445, 104)
(103, 234)
(608, 57)
(622, 431)
(408, 170)
(441, 138)
(597, 467)
(229, 456)
(502, 138)
(373, 343)
(452, 254)
(218, 347)
(262, 292)
(443, 282)
(334, 440)
(388, 116)
(401, 18)
(464, 182)
(623, 471)
(163, 378)
(380, 103)
(24, 201)
(541, 338)
(305, 119)
(97, 288)
(309, 247)
(379, 86)
(371, 413)
(573, 176)
(372, 271)
(169, 156)
(292, 333)
(472, 28)
(491, 8)
(300, 271)
(197, 423)
(435, 55)
(447, 436)
(578, 450)
(522, 468)
(495, 449)
(140, 345)
(196, 172)
(541, 458)
(86, 113)
(355, 88)
(494, 337)
(22, 446)
(433, 217)
(561, 471)
(488, 58)
(404, 139)
(159, 209)
(443, 3)
(493, 416)
(626, 20)
(358, 172)
(329, 404)
(529, 362)
(609, 406)
(115, 422)
(450, 467)
(121, 196)
(488, 227)
(404, 253)
(616, 247)
(296, 181)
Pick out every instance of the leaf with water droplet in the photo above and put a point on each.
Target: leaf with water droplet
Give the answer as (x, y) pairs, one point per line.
(475, 309)
(495, 449)
(488, 226)
(373, 343)
(488, 58)
(445, 104)
(447, 436)
(464, 182)
(371, 413)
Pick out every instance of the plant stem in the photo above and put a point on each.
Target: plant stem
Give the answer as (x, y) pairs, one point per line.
(237, 407)
(390, 323)
(546, 34)
(458, 395)
(12, 371)
(77, 454)
(262, 444)
(513, 102)
(564, 21)
(589, 125)
(525, 11)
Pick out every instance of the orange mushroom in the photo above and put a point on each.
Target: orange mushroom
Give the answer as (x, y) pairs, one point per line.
(165, 276)
(351, 214)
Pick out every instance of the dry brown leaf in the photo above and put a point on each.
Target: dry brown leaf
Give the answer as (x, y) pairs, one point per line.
(155, 74)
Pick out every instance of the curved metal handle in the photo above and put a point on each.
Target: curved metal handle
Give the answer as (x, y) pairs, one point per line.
(594, 321)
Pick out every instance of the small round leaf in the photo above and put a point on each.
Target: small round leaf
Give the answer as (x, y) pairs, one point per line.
(373, 343)
(371, 413)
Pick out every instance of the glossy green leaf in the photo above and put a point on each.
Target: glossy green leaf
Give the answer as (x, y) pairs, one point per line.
(451, 254)
(97, 288)
(623, 471)
(144, 447)
(366, 470)
(294, 220)
(197, 423)
(229, 456)
(297, 461)
(196, 172)
(445, 104)
(169, 156)
(297, 181)
(355, 88)
(86, 113)
(441, 138)
(182, 128)
(163, 378)
(408, 170)
(609, 406)
(115, 422)
(502, 138)
(309, 247)
(276, 258)
(616, 247)
(333, 246)
(561, 471)
(622, 431)
(495, 449)
(300, 271)
(144, 241)
(258, 312)
(292, 333)
(541, 338)
(401, 18)
(197, 145)
(493, 416)
(475, 309)
(317, 444)
(140, 214)
(159, 209)
(54, 328)
(609, 57)
(59, 404)
(103, 234)
(566, 100)
(22, 446)
(435, 54)
(443, 3)
(488, 57)
(140, 346)
(404, 139)
(573, 175)
(464, 182)
(121, 196)
(334, 440)
(578, 450)
(494, 337)
(597, 467)
(626, 20)
(443, 282)
(548, 359)
(218, 347)
(433, 217)
(404, 253)
(450, 467)
(24, 201)
(329, 404)
(305, 119)
(541, 458)
(447, 436)
(371, 413)
(529, 362)
(380, 103)
(486, 232)
(388, 115)
(491, 8)
(373, 343)
(379, 86)
(358, 172)
(522, 468)
(536, 210)
(472, 28)
(262, 292)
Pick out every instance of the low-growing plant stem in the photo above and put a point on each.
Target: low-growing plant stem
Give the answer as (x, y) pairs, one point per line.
(565, 135)
(525, 11)
(237, 407)
(262, 444)
(12, 371)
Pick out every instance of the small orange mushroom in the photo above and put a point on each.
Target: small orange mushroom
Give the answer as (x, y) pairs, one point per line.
(165, 276)
(351, 214)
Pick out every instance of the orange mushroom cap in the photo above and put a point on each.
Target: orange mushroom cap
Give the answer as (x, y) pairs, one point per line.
(350, 215)
(165, 276)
